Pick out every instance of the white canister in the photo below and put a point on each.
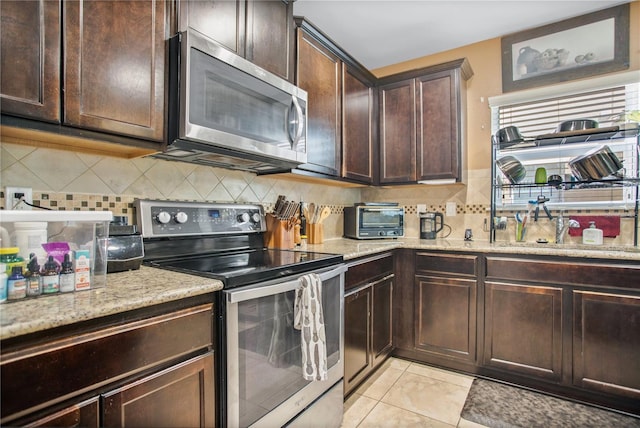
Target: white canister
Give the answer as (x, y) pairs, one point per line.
(29, 237)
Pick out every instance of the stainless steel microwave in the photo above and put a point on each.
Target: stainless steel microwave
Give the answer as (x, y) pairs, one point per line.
(225, 111)
(370, 221)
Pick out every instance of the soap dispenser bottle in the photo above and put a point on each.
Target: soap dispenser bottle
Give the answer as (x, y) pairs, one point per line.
(592, 235)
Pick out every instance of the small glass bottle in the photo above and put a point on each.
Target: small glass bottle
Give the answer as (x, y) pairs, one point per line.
(34, 279)
(16, 284)
(67, 277)
(50, 277)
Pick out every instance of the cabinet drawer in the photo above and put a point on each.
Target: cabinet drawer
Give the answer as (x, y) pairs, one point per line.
(456, 264)
(567, 272)
(368, 270)
(59, 369)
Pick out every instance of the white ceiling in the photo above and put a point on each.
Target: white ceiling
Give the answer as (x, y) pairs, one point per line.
(384, 32)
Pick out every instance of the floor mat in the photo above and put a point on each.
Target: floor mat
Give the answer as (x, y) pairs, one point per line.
(501, 406)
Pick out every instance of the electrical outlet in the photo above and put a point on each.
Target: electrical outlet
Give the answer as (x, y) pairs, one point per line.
(13, 203)
(421, 208)
(451, 209)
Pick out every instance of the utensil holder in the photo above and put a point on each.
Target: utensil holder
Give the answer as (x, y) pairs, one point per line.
(279, 234)
(315, 233)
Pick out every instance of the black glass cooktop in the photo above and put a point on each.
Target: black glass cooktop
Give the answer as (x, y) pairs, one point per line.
(249, 267)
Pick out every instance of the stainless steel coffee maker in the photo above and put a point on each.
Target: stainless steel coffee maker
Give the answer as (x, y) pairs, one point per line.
(430, 225)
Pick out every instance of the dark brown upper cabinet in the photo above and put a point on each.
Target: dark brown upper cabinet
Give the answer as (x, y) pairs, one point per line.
(90, 65)
(30, 59)
(114, 66)
(260, 31)
(341, 101)
(359, 125)
(422, 116)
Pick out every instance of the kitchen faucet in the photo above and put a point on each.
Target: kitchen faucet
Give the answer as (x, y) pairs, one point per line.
(563, 226)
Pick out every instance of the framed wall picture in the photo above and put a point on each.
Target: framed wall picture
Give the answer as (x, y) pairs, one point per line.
(575, 48)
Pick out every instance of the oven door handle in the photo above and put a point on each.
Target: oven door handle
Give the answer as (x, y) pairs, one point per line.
(255, 292)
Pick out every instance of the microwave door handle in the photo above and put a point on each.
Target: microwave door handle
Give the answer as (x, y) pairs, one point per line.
(298, 122)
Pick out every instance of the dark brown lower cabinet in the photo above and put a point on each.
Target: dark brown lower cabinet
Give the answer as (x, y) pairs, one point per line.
(439, 292)
(367, 318)
(523, 329)
(564, 325)
(606, 340)
(357, 339)
(446, 316)
(567, 325)
(152, 367)
(182, 395)
(381, 334)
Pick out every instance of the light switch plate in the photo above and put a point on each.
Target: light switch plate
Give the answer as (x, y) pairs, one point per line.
(451, 209)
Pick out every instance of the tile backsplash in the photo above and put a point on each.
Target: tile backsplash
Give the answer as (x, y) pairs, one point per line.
(75, 181)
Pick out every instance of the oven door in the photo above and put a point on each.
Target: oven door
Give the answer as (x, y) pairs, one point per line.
(265, 386)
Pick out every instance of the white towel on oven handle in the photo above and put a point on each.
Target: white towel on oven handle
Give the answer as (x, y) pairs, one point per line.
(309, 319)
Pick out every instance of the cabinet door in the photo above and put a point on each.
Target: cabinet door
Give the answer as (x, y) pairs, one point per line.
(114, 62)
(381, 320)
(438, 139)
(606, 340)
(523, 329)
(357, 321)
(397, 132)
(318, 73)
(220, 20)
(30, 59)
(446, 316)
(180, 396)
(357, 127)
(269, 36)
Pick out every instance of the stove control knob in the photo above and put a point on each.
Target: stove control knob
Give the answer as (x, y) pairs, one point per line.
(181, 217)
(255, 218)
(163, 217)
(243, 218)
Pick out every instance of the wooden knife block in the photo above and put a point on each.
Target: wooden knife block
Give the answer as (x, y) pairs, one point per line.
(279, 233)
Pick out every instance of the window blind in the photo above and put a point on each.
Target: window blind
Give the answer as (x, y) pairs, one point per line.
(540, 117)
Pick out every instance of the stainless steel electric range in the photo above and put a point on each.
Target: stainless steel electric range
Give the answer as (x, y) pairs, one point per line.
(259, 373)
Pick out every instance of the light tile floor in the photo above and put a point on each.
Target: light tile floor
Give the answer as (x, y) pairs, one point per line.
(406, 394)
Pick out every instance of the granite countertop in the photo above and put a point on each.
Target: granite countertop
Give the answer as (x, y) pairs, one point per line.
(124, 291)
(352, 248)
(150, 286)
